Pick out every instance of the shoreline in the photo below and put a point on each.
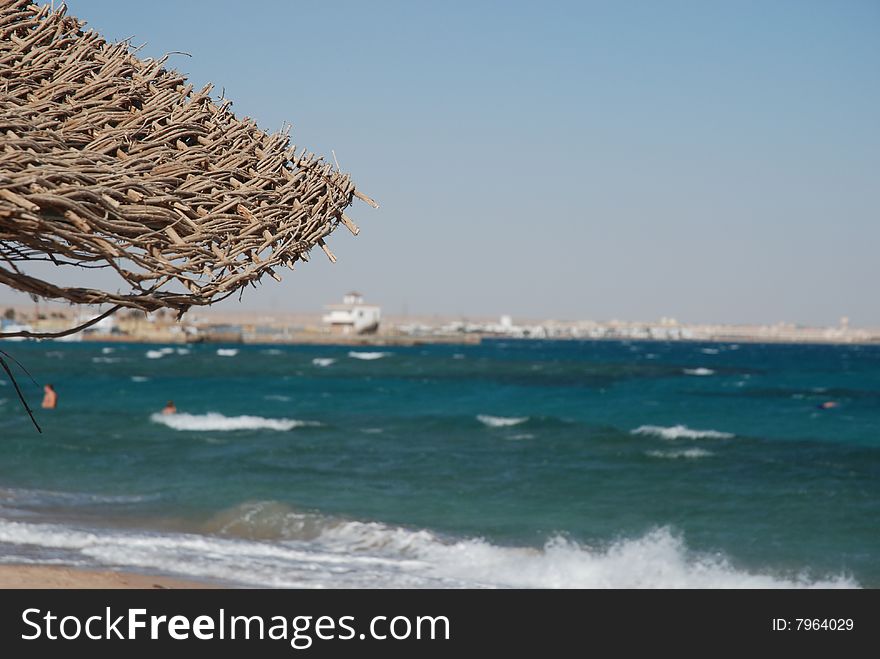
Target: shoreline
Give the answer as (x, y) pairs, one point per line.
(18, 576)
(473, 339)
(299, 328)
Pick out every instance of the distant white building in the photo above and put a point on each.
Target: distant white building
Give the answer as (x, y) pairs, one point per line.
(352, 316)
(104, 326)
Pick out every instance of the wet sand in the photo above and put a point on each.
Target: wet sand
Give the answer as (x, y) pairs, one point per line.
(40, 576)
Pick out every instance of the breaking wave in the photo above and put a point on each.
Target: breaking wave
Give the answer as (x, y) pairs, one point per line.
(268, 544)
(699, 371)
(367, 355)
(501, 421)
(689, 453)
(158, 354)
(681, 432)
(217, 421)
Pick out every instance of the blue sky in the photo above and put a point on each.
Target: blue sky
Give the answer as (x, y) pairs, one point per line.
(710, 161)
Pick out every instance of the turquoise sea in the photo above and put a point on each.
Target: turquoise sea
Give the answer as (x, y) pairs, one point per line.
(507, 464)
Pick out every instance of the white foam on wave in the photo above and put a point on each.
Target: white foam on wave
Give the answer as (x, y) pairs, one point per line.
(263, 544)
(271, 351)
(501, 421)
(215, 421)
(699, 371)
(278, 397)
(107, 350)
(659, 559)
(688, 453)
(368, 356)
(323, 361)
(158, 354)
(139, 378)
(182, 351)
(106, 360)
(227, 352)
(710, 351)
(681, 432)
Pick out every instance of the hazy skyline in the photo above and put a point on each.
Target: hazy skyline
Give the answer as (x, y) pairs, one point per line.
(713, 162)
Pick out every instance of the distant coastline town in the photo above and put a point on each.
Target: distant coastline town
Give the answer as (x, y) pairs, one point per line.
(354, 321)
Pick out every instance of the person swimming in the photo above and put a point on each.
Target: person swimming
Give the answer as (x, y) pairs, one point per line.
(828, 405)
(50, 397)
(169, 408)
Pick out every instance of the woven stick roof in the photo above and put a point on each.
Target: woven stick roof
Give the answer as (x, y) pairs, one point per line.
(108, 160)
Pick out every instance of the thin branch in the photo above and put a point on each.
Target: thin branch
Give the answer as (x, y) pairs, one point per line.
(57, 335)
(24, 404)
(20, 365)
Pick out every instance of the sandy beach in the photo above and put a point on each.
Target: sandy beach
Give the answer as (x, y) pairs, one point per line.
(40, 576)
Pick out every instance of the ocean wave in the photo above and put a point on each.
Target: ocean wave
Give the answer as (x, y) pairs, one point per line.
(699, 371)
(324, 361)
(267, 520)
(106, 360)
(278, 397)
(217, 421)
(158, 354)
(107, 350)
(689, 453)
(710, 351)
(52, 499)
(680, 432)
(658, 559)
(227, 352)
(267, 544)
(139, 378)
(501, 421)
(369, 356)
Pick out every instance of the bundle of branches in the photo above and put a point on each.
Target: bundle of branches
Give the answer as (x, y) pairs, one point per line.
(111, 161)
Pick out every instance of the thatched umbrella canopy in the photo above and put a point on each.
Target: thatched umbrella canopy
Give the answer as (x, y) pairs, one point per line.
(111, 161)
